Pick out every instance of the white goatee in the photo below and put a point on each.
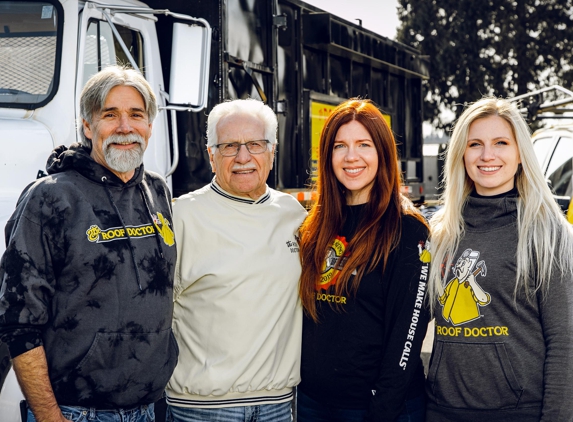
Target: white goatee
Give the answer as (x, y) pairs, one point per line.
(123, 160)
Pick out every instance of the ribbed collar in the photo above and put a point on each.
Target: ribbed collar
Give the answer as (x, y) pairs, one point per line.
(485, 213)
(218, 189)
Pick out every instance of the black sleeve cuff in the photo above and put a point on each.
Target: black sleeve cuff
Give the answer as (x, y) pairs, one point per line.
(21, 343)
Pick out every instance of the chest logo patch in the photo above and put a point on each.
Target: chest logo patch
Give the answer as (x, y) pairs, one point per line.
(333, 263)
(95, 234)
(162, 226)
(463, 296)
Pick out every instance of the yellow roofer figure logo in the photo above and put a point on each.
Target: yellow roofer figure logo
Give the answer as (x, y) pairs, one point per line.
(463, 296)
(424, 251)
(164, 230)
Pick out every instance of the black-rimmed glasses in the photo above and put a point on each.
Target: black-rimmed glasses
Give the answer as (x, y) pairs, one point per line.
(230, 149)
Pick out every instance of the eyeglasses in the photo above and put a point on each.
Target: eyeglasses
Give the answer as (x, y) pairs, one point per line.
(231, 149)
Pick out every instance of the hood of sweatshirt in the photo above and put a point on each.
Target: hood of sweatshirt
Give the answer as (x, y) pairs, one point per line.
(77, 157)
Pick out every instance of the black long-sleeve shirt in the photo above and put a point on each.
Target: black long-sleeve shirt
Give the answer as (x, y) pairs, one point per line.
(364, 353)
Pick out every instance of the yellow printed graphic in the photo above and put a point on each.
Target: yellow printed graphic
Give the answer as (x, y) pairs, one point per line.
(164, 231)
(160, 224)
(331, 298)
(98, 235)
(463, 296)
(492, 331)
(93, 233)
(424, 251)
(332, 264)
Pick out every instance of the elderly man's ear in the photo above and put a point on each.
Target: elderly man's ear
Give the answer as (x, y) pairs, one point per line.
(273, 152)
(211, 161)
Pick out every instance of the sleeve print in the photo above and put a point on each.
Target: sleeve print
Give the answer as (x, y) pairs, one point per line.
(408, 323)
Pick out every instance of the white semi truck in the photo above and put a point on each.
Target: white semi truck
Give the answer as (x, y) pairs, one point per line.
(48, 50)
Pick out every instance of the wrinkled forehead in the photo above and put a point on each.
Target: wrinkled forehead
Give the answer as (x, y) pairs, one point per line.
(240, 127)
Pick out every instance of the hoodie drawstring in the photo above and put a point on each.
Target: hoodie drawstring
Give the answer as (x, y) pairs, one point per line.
(146, 202)
(104, 180)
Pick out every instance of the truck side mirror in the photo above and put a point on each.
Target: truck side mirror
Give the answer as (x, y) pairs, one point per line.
(190, 58)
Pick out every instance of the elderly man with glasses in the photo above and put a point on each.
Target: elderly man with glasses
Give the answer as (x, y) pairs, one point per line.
(237, 315)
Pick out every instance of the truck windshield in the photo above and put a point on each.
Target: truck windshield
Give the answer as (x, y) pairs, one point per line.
(29, 46)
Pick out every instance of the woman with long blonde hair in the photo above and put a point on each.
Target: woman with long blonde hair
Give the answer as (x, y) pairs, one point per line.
(363, 282)
(501, 286)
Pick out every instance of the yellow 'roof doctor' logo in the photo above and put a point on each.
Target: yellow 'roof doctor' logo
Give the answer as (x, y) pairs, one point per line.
(333, 263)
(160, 224)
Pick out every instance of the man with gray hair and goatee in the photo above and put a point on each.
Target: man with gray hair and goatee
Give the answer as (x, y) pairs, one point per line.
(86, 281)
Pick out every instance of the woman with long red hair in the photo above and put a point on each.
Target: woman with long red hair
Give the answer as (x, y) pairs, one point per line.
(365, 262)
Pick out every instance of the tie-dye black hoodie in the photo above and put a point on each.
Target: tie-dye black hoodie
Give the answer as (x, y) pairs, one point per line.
(88, 274)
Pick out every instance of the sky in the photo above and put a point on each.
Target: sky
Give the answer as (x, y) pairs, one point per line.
(379, 16)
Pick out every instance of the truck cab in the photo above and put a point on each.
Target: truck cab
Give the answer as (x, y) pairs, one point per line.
(553, 144)
(554, 150)
(48, 50)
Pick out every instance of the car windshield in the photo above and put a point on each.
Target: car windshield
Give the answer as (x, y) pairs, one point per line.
(28, 51)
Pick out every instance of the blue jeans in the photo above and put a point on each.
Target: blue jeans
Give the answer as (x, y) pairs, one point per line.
(309, 410)
(82, 414)
(258, 413)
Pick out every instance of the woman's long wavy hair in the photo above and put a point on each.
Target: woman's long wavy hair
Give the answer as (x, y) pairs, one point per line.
(379, 231)
(545, 237)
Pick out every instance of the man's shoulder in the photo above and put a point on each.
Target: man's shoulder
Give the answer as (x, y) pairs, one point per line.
(286, 200)
(52, 182)
(157, 185)
(153, 175)
(52, 189)
(194, 197)
(154, 178)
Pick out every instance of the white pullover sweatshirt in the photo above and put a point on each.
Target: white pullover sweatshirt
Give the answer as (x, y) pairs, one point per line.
(237, 316)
